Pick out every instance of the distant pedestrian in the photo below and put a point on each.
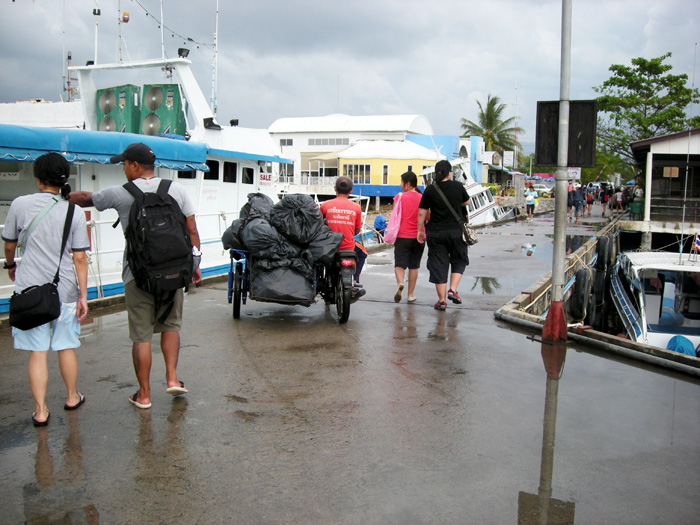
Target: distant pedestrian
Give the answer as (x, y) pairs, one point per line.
(42, 257)
(447, 252)
(408, 252)
(579, 199)
(530, 199)
(618, 200)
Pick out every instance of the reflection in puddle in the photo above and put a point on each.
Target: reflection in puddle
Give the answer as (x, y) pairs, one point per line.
(496, 286)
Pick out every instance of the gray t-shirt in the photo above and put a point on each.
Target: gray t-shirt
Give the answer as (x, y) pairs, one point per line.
(41, 251)
(118, 198)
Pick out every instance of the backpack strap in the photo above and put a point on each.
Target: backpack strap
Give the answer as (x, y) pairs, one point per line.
(64, 241)
(133, 189)
(163, 188)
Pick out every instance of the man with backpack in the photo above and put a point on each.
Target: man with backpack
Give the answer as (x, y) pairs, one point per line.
(161, 258)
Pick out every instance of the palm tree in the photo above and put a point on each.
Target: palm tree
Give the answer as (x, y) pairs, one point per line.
(498, 134)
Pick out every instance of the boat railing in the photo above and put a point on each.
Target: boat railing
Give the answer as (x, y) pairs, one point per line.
(674, 209)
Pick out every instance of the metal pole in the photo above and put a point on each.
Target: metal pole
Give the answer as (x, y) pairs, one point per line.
(554, 329)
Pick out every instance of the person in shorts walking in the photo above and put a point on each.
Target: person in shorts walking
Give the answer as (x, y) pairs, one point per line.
(139, 164)
(408, 252)
(447, 252)
(38, 266)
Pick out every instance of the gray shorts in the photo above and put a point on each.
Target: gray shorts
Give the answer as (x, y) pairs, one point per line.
(139, 308)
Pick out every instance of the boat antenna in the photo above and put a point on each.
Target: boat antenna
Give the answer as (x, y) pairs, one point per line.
(96, 12)
(162, 24)
(687, 160)
(214, 80)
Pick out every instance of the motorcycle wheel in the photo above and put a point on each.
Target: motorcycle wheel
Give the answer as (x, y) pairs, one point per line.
(342, 301)
(237, 284)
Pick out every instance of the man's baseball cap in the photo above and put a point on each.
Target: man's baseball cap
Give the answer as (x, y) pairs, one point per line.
(137, 152)
(344, 184)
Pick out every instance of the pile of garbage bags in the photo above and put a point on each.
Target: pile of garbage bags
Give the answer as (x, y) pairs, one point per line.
(286, 241)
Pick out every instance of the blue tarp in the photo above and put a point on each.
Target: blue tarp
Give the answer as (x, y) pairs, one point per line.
(26, 144)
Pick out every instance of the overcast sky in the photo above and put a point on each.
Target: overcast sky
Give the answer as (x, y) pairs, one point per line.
(282, 58)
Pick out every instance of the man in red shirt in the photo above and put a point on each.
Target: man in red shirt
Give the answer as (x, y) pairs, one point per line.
(344, 216)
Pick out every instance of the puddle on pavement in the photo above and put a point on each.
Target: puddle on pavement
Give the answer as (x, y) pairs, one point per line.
(495, 285)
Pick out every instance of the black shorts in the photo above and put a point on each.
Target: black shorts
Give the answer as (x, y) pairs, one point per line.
(530, 209)
(447, 253)
(408, 253)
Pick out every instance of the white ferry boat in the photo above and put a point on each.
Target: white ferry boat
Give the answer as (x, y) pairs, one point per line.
(218, 165)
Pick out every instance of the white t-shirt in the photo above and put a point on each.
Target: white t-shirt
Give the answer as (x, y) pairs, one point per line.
(42, 248)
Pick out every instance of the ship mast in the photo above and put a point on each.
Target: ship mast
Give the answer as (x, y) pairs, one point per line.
(214, 80)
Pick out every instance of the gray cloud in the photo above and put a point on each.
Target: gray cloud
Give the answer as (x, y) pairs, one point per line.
(284, 59)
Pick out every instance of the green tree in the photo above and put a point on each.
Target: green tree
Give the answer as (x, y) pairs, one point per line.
(641, 102)
(607, 165)
(498, 134)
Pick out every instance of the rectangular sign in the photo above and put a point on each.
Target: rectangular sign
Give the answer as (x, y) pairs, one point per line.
(573, 173)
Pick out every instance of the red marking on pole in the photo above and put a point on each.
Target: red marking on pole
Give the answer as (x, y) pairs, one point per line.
(554, 330)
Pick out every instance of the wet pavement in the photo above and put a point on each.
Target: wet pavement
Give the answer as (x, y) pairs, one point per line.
(402, 415)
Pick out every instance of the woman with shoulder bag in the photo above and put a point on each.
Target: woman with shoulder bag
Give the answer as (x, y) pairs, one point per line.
(37, 223)
(447, 252)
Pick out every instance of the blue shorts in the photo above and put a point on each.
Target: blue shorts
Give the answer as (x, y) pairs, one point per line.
(66, 330)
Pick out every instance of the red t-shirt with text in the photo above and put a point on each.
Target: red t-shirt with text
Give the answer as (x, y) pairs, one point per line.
(343, 216)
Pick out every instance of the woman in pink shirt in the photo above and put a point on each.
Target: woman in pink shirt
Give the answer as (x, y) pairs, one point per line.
(408, 252)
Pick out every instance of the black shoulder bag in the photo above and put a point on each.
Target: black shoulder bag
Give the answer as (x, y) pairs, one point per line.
(468, 235)
(38, 305)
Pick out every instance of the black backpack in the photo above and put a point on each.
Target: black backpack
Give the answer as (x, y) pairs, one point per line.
(158, 247)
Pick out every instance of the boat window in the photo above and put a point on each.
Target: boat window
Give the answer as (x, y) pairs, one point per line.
(471, 205)
(248, 176)
(190, 174)
(230, 172)
(385, 174)
(213, 173)
(286, 142)
(489, 197)
(409, 167)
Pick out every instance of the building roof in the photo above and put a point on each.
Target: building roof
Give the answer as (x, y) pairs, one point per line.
(339, 123)
(682, 143)
(388, 149)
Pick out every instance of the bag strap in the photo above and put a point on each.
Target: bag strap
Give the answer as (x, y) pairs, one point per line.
(66, 230)
(25, 234)
(449, 207)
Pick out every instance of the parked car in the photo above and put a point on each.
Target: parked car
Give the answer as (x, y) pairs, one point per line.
(542, 189)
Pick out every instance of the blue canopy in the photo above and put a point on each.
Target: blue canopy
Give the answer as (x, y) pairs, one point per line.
(26, 144)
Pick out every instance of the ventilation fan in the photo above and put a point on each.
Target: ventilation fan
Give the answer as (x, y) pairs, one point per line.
(153, 98)
(108, 124)
(150, 124)
(107, 102)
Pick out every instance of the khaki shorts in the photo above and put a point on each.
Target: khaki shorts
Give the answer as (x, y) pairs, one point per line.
(139, 308)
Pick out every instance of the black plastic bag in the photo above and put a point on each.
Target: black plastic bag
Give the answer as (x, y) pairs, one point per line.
(281, 285)
(261, 239)
(258, 205)
(231, 237)
(324, 245)
(297, 217)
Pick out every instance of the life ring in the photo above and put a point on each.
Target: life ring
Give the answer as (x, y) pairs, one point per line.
(578, 303)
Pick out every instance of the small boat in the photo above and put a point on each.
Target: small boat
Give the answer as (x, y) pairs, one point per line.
(657, 296)
(483, 208)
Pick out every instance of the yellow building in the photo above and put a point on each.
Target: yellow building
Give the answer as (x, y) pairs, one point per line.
(376, 166)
